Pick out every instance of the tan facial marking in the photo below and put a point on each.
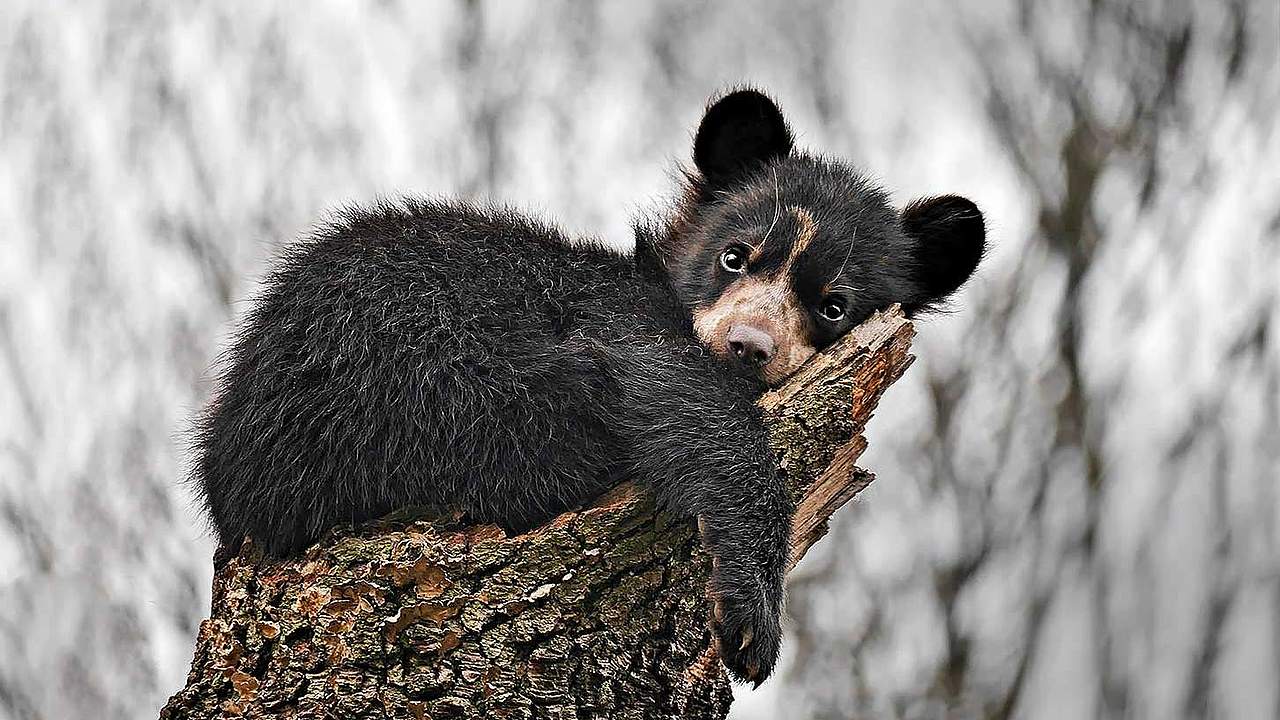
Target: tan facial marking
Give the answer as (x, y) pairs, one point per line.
(808, 231)
(769, 305)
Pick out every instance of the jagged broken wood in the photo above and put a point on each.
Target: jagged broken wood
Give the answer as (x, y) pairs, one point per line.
(601, 613)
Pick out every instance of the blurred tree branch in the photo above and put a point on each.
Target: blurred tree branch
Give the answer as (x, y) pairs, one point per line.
(1111, 99)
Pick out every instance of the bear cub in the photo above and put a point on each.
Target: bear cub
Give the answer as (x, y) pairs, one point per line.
(442, 355)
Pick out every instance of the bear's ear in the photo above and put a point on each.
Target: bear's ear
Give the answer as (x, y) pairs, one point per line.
(950, 238)
(739, 132)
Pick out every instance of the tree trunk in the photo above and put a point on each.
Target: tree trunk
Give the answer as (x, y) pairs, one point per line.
(601, 613)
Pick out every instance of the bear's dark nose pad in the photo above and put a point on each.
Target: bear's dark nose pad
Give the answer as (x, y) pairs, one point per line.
(752, 346)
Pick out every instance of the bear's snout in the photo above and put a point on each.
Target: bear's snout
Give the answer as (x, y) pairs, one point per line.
(752, 345)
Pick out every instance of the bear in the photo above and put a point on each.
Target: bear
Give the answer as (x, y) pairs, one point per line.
(443, 355)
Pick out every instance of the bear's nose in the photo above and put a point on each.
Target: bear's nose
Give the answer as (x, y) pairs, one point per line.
(751, 345)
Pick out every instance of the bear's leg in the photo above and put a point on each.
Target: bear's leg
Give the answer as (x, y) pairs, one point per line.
(695, 435)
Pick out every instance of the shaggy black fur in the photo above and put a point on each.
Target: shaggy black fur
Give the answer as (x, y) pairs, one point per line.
(441, 355)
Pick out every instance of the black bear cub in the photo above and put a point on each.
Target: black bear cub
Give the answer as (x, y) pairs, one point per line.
(447, 356)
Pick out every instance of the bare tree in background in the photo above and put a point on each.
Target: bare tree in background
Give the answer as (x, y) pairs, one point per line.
(1118, 118)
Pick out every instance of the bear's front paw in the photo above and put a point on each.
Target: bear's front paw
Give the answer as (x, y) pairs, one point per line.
(747, 631)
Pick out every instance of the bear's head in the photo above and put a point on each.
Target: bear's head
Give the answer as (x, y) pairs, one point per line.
(775, 253)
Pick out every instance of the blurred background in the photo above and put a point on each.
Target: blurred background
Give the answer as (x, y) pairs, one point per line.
(1078, 506)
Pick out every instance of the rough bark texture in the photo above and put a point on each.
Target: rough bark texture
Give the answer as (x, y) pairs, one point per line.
(599, 614)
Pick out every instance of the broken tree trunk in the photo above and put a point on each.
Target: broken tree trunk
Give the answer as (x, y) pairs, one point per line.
(601, 613)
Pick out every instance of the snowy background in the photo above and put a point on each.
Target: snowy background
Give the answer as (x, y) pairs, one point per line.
(1078, 506)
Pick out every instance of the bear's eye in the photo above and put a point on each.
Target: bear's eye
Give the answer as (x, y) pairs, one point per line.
(832, 310)
(734, 259)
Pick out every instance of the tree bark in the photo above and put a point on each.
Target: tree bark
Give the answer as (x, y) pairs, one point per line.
(601, 613)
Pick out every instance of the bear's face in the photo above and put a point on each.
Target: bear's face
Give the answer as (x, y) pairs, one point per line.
(776, 254)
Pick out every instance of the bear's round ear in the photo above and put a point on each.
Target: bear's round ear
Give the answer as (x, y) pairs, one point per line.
(740, 131)
(950, 238)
